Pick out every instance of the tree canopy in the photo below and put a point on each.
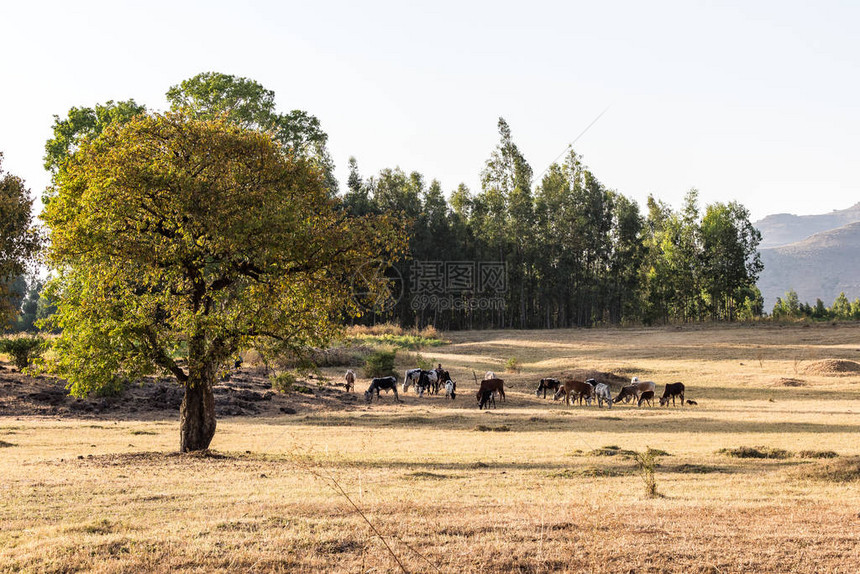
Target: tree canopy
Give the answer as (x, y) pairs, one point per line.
(243, 101)
(177, 241)
(19, 240)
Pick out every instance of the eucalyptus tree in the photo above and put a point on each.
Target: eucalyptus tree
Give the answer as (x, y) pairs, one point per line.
(730, 261)
(508, 221)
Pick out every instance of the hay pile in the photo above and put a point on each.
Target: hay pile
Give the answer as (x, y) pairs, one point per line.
(832, 367)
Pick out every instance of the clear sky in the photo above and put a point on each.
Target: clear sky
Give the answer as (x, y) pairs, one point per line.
(751, 101)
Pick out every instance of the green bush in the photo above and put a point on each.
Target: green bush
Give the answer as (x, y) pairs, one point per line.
(283, 382)
(22, 349)
(379, 364)
(512, 365)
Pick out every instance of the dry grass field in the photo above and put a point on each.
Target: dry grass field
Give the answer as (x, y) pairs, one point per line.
(431, 485)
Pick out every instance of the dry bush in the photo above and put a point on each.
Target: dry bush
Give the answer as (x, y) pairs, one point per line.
(842, 470)
(756, 452)
(817, 454)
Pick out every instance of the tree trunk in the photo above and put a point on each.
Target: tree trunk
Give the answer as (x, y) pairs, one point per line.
(197, 416)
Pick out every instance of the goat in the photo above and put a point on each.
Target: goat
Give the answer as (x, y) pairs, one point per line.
(671, 391)
(572, 389)
(349, 377)
(603, 393)
(547, 385)
(646, 397)
(382, 383)
(450, 389)
(493, 385)
(485, 397)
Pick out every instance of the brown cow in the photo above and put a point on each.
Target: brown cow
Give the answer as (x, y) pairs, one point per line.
(635, 390)
(349, 377)
(572, 390)
(646, 397)
(494, 385)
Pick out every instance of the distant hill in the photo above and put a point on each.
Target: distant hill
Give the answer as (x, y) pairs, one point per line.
(820, 266)
(784, 228)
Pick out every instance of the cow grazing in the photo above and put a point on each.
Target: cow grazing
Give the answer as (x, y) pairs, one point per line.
(671, 391)
(635, 390)
(410, 378)
(485, 397)
(450, 389)
(413, 377)
(349, 377)
(489, 375)
(602, 392)
(442, 377)
(493, 385)
(572, 390)
(547, 385)
(646, 397)
(381, 384)
(627, 392)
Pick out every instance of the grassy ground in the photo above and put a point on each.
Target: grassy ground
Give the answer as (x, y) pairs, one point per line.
(435, 486)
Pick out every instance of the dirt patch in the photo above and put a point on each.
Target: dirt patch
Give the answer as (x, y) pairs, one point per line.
(245, 392)
(787, 382)
(831, 367)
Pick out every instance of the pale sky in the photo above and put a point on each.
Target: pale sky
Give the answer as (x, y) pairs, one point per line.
(751, 101)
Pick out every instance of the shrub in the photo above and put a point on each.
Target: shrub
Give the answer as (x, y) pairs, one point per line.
(380, 363)
(841, 470)
(755, 452)
(22, 349)
(512, 365)
(817, 454)
(424, 364)
(283, 382)
(647, 462)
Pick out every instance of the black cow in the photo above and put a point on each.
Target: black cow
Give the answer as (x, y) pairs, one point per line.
(485, 397)
(381, 384)
(547, 385)
(672, 390)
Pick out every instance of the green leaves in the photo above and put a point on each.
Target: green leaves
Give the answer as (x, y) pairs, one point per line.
(168, 230)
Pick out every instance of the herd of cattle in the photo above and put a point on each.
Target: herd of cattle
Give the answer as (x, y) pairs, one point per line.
(434, 380)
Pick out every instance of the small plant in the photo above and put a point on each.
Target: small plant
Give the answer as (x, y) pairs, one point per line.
(22, 349)
(647, 462)
(380, 364)
(283, 382)
(512, 365)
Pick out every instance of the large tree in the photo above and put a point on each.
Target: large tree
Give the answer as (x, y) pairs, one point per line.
(178, 241)
(19, 240)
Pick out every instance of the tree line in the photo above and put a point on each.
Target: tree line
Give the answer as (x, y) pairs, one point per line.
(575, 253)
